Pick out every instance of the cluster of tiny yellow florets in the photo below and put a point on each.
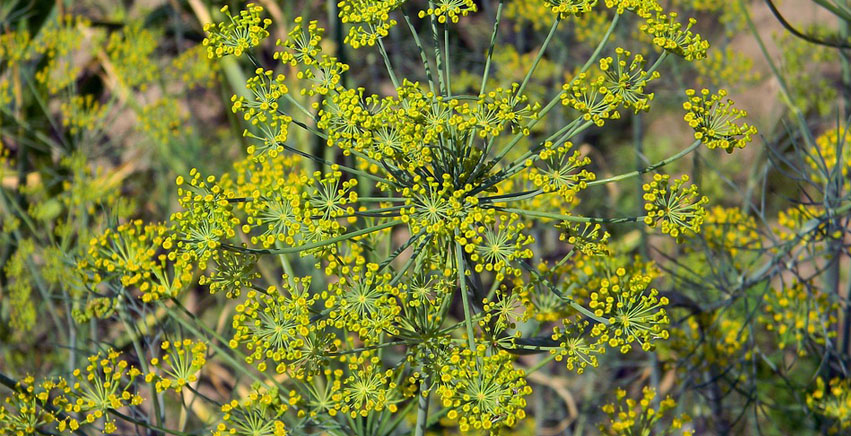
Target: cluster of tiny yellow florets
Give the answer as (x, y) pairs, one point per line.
(833, 402)
(642, 8)
(677, 209)
(27, 409)
(106, 384)
(561, 171)
(482, 392)
(370, 20)
(627, 80)
(367, 388)
(567, 8)
(670, 35)
(449, 10)
(85, 399)
(364, 302)
(131, 254)
(237, 34)
(713, 120)
(797, 314)
(261, 110)
(633, 313)
(82, 113)
(178, 366)
(823, 161)
(259, 413)
(495, 246)
(274, 326)
(58, 42)
(130, 53)
(628, 417)
(621, 82)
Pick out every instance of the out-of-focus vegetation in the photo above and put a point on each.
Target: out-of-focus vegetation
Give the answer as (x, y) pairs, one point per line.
(381, 217)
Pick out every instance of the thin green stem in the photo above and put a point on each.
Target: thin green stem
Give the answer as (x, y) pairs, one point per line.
(571, 218)
(289, 250)
(540, 55)
(462, 283)
(646, 170)
(387, 64)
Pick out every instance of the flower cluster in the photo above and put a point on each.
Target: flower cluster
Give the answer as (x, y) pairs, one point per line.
(677, 209)
(370, 20)
(261, 110)
(833, 401)
(449, 10)
(629, 417)
(259, 413)
(482, 392)
(713, 120)
(567, 8)
(179, 365)
(237, 34)
(131, 254)
(627, 80)
(798, 314)
(106, 384)
(275, 326)
(670, 35)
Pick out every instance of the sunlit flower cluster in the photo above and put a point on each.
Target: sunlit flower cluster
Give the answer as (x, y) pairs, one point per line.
(670, 35)
(677, 209)
(236, 34)
(178, 366)
(628, 417)
(714, 120)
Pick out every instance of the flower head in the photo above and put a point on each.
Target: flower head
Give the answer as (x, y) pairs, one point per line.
(677, 209)
(236, 34)
(713, 120)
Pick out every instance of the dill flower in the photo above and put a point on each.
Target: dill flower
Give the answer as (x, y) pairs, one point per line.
(23, 313)
(561, 170)
(670, 35)
(832, 401)
(237, 34)
(233, 272)
(449, 10)
(679, 209)
(577, 349)
(179, 365)
(27, 409)
(260, 413)
(131, 254)
(592, 97)
(634, 314)
(106, 384)
(364, 302)
(482, 392)
(628, 417)
(82, 113)
(494, 247)
(642, 8)
(586, 238)
(130, 53)
(713, 120)
(628, 82)
(367, 389)
(273, 325)
(799, 313)
(567, 8)
(370, 20)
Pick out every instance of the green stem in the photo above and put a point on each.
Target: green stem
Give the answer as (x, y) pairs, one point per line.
(571, 218)
(422, 409)
(656, 165)
(539, 55)
(323, 243)
(462, 282)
